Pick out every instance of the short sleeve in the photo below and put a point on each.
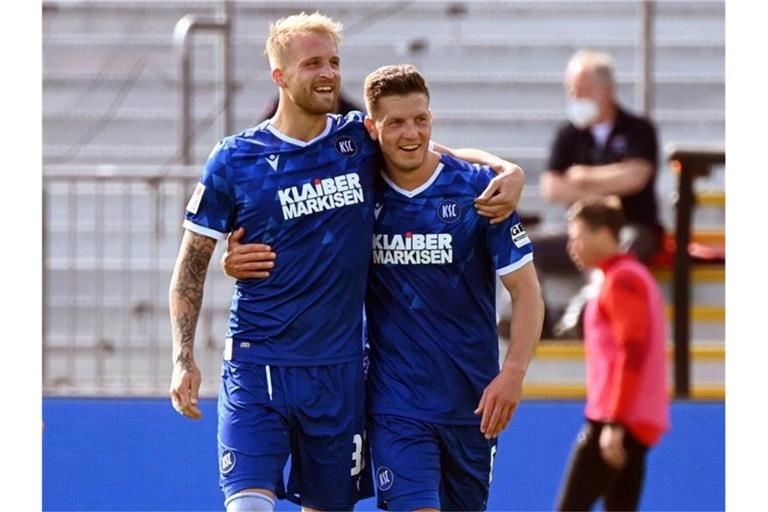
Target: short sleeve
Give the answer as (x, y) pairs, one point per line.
(642, 142)
(508, 244)
(211, 209)
(561, 154)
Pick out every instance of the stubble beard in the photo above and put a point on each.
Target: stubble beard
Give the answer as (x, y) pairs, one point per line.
(309, 104)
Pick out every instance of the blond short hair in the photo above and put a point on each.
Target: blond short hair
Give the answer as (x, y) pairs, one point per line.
(599, 63)
(282, 31)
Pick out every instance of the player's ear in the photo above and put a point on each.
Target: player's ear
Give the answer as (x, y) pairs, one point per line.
(277, 77)
(371, 127)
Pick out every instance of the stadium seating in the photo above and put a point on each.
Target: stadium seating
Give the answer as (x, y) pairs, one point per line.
(495, 69)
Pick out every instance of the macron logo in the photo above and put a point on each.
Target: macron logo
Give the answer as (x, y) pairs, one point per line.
(272, 161)
(320, 195)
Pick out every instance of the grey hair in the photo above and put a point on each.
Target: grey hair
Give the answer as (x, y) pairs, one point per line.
(599, 63)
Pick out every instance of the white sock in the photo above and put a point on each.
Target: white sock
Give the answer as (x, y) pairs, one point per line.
(249, 502)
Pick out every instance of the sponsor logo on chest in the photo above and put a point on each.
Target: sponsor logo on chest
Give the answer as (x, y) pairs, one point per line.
(413, 249)
(320, 195)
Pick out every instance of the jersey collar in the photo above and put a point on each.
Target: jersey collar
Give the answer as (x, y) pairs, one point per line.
(296, 142)
(418, 190)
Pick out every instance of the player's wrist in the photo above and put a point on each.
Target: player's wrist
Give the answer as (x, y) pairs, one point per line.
(184, 359)
(514, 370)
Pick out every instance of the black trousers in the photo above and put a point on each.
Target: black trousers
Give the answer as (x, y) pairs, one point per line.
(590, 478)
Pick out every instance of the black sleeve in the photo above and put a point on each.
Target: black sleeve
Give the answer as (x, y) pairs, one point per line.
(561, 153)
(643, 142)
(269, 109)
(346, 106)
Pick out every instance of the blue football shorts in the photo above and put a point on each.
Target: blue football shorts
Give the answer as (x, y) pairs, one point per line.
(419, 464)
(314, 414)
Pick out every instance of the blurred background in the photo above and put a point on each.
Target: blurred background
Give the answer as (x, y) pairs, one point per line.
(135, 95)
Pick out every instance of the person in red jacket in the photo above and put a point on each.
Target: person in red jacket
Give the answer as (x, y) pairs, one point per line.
(625, 333)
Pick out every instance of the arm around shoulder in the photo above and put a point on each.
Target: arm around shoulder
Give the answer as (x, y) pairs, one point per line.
(500, 198)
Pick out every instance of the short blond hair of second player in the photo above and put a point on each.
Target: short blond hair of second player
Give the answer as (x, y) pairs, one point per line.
(282, 31)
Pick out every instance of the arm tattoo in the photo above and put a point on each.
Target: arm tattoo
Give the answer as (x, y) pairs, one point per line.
(186, 294)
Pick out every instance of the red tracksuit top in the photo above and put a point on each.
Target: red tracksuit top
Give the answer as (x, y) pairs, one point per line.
(625, 343)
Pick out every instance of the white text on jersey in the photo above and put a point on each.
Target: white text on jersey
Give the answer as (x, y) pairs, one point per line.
(413, 249)
(320, 195)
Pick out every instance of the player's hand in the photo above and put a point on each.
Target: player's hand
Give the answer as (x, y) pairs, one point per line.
(246, 261)
(185, 387)
(612, 446)
(498, 403)
(499, 199)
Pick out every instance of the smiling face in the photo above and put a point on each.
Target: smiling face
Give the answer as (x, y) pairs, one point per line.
(310, 76)
(402, 124)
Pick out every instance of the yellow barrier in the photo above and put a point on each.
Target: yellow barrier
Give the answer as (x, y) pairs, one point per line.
(702, 313)
(578, 392)
(699, 274)
(574, 349)
(710, 198)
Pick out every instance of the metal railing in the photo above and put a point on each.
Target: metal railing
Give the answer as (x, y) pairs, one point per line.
(691, 162)
(186, 27)
(110, 240)
(645, 50)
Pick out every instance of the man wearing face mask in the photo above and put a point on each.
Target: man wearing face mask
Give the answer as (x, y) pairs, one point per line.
(602, 150)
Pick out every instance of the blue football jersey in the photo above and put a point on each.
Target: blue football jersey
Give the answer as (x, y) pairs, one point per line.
(312, 202)
(431, 296)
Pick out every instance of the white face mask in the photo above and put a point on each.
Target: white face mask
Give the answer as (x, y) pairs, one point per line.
(582, 112)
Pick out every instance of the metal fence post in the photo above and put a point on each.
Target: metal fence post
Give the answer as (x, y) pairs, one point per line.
(691, 162)
(644, 91)
(182, 39)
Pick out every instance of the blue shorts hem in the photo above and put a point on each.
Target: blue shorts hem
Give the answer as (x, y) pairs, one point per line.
(320, 505)
(411, 501)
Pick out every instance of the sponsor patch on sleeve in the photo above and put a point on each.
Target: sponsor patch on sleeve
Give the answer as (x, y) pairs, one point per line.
(519, 236)
(197, 196)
